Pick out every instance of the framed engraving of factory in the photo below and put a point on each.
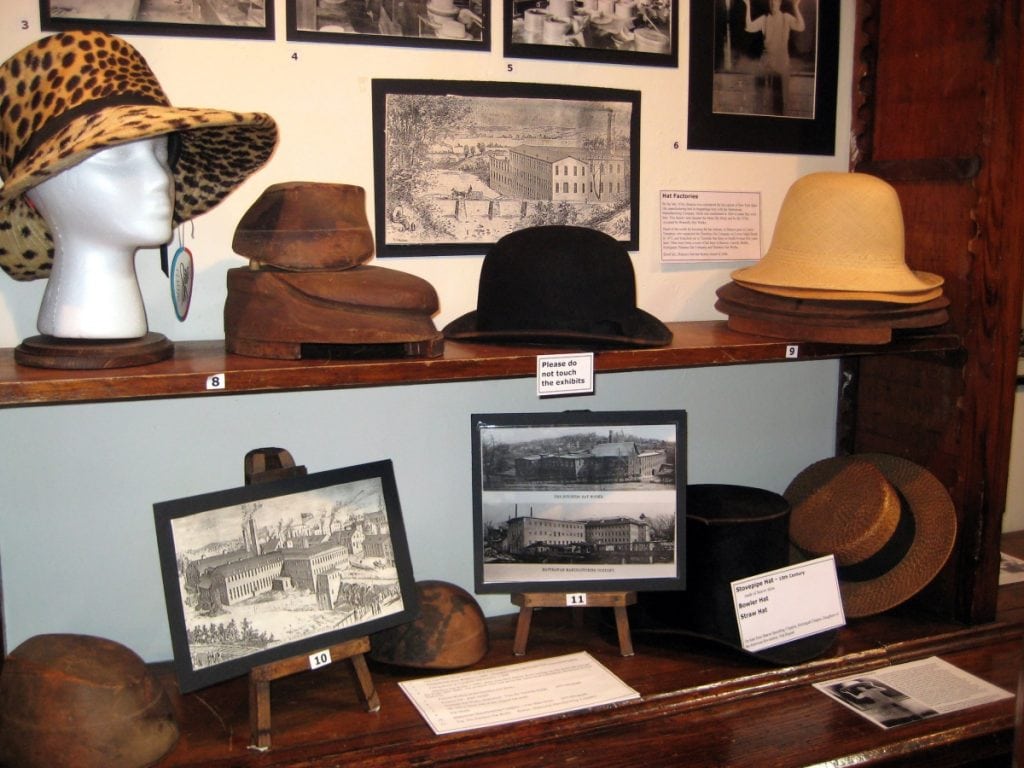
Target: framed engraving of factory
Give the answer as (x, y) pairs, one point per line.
(457, 165)
(763, 75)
(277, 569)
(250, 19)
(579, 501)
(611, 31)
(463, 24)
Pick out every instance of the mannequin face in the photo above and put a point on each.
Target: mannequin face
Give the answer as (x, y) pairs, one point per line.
(121, 197)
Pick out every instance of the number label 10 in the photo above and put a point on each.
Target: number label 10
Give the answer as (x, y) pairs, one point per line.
(320, 659)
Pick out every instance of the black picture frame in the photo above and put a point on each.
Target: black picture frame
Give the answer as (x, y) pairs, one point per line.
(596, 34)
(737, 104)
(216, 18)
(413, 23)
(328, 546)
(449, 161)
(579, 501)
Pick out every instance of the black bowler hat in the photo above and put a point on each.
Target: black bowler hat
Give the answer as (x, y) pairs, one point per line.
(733, 532)
(558, 285)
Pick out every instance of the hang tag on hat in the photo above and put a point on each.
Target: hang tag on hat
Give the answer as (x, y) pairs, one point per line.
(182, 274)
(788, 604)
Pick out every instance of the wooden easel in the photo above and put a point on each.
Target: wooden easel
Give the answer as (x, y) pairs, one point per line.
(527, 601)
(260, 678)
(262, 465)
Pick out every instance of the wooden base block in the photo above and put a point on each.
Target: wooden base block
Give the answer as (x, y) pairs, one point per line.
(89, 354)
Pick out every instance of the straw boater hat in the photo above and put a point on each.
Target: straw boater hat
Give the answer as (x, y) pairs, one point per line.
(840, 233)
(70, 95)
(889, 523)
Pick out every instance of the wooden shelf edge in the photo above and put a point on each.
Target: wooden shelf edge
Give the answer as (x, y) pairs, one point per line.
(191, 371)
(400, 738)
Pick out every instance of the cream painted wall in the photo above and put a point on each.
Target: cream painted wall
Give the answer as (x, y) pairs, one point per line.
(77, 550)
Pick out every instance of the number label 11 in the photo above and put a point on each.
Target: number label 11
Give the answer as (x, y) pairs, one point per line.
(576, 599)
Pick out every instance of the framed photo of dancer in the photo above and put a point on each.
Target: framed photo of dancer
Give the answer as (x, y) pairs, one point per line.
(579, 501)
(641, 32)
(282, 568)
(763, 75)
(249, 19)
(458, 24)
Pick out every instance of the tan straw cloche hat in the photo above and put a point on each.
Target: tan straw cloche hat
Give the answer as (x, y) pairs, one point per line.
(838, 233)
(889, 523)
(70, 95)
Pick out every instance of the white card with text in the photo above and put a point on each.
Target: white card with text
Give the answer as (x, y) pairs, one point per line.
(787, 604)
(565, 374)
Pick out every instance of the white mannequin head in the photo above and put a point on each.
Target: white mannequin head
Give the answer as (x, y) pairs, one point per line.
(100, 212)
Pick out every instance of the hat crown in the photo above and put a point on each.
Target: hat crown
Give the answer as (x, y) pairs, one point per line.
(849, 219)
(852, 514)
(62, 77)
(839, 232)
(306, 225)
(565, 278)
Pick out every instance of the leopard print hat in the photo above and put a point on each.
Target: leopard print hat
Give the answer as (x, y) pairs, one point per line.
(67, 96)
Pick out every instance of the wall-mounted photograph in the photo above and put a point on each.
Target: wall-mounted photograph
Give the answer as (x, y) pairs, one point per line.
(612, 31)
(273, 570)
(763, 75)
(579, 501)
(457, 165)
(459, 24)
(251, 19)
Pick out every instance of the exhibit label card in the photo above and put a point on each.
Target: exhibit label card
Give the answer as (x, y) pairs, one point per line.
(788, 604)
(565, 374)
(710, 226)
(515, 692)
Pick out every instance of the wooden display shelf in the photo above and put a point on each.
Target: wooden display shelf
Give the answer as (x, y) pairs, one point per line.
(700, 706)
(189, 371)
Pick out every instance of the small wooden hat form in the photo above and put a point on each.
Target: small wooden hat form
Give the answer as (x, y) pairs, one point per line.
(308, 291)
(83, 701)
(449, 633)
(306, 225)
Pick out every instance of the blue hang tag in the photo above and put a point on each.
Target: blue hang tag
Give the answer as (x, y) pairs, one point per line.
(182, 275)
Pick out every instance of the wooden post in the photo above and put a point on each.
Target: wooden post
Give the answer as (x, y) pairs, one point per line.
(618, 601)
(260, 678)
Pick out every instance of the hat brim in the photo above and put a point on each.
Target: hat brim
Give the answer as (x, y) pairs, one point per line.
(911, 297)
(779, 271)
(785, 654)
(935, 531)
(644, 330)
(219, 150)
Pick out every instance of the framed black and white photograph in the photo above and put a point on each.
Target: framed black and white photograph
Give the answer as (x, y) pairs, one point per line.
(458, 24)
(642, 32)
(579, 501)
(279, 569)
(457, 165)
(248, 19)
(763, 75)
